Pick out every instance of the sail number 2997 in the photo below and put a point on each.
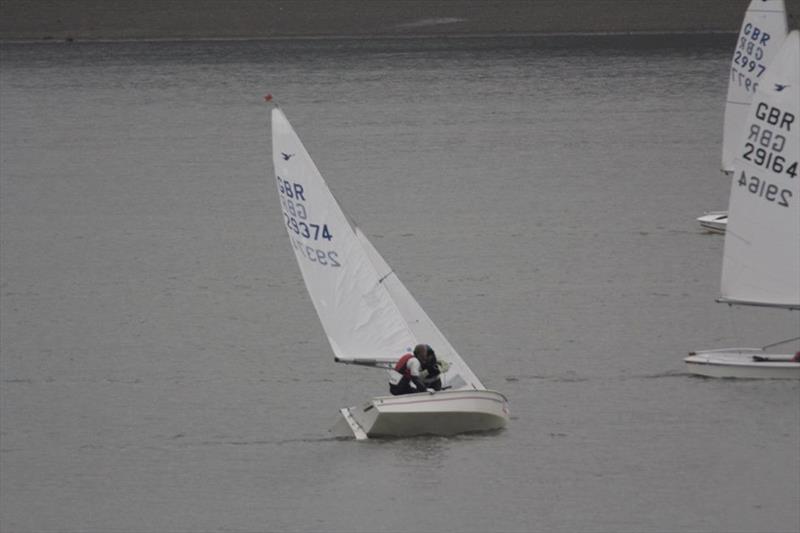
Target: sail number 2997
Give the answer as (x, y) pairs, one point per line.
(765, 190)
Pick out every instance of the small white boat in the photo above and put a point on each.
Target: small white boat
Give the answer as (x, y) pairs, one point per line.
(761, 258)
(368, 315)
(762, 33)
(714, 221)
(749, 363)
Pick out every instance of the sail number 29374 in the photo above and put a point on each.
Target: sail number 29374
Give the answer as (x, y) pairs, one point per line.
(296, 215)
(765, 190)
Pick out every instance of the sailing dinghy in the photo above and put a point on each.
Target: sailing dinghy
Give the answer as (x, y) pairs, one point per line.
(761, 260)
(760, 37)
(368, 315)
(714, 221)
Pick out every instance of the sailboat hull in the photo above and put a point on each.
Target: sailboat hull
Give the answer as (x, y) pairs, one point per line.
(747, 363)
(714, 221)
(437, 413)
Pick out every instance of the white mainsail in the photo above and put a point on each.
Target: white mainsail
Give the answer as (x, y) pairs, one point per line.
(366, 312)
(761, 261)
(760, 37)
(356, 312)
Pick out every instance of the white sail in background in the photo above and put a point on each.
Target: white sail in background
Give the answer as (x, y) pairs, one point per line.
(356, 312)
(761, 262)
(458, 374)
(761, 36)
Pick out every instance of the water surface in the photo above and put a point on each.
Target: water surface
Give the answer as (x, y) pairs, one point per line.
(163, 368)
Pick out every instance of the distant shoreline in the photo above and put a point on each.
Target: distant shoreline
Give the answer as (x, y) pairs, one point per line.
(182, 20)
(51, 40)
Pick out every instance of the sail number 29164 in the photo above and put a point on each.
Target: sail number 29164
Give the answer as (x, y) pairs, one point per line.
(769, 160)
(765, 190)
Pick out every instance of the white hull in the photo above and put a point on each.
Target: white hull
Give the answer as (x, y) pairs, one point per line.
(748, 363)
(439, 413)
(714, 221)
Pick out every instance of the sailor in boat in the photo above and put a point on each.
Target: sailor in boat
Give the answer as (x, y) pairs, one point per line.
(406, 376)
(432, 371)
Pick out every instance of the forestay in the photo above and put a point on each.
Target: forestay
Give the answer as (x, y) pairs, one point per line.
(366, 311)
(761, 261)
(760, 37)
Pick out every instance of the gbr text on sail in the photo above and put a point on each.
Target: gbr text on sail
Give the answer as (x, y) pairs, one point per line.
(765, 146)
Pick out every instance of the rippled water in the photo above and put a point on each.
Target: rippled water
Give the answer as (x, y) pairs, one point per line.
(163, 368)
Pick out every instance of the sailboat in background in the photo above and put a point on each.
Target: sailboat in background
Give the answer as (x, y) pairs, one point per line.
(761, 261)
(762, 33)
(368, 315)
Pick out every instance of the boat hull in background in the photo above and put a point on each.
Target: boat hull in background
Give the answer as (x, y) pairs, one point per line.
(714, 221)
(429, 413)
(747, 363)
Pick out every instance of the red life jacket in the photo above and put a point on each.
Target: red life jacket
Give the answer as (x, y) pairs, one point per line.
(401, 365)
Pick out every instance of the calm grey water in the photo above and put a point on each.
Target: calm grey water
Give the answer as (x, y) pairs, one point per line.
(163, 369)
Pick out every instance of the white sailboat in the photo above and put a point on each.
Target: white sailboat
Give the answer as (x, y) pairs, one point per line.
(761, 261)
(367, 313)
(714, 221)
(762, 33)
